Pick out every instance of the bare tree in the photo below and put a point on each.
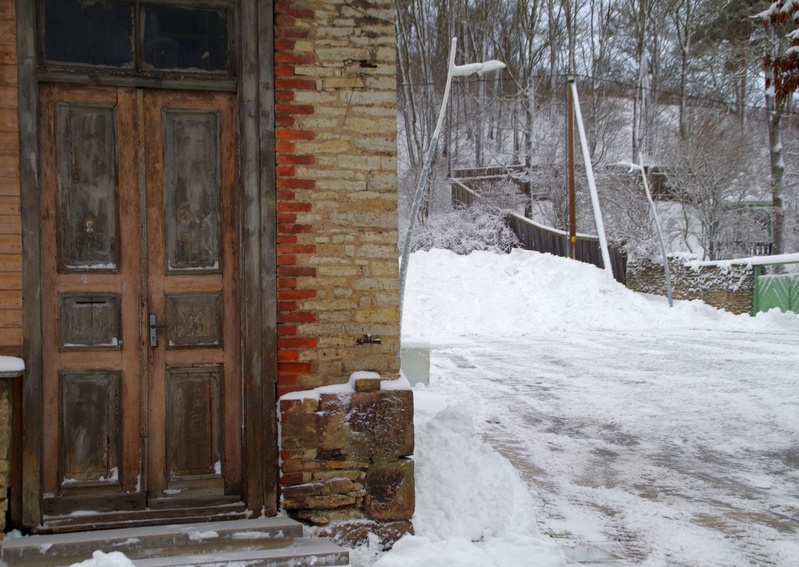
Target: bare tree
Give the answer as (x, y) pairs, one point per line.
(708, 172)
(648, 72)
(628, 220)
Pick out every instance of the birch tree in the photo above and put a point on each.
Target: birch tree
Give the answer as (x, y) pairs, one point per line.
(782, 79)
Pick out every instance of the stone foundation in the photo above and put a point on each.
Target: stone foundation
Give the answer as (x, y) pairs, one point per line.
(5, 448)
(9, 422)
(729, 288)
(345, 458)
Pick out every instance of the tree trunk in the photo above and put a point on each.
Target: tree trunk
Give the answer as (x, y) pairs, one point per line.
(636, 148)
(553, 60)
(774, 116)
(777, 173)
(683, 88)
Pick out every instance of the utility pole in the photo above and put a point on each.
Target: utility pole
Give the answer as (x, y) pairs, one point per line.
(570, 153)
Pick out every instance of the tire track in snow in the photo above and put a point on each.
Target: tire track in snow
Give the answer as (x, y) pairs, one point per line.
(679, 454)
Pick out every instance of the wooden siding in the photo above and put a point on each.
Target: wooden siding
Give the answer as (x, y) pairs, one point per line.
(10, 221)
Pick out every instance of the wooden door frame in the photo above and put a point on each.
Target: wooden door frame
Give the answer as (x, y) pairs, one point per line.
(255, 100)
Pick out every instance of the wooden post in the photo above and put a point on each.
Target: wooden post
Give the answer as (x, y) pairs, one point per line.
(28, 96)
(757, 272)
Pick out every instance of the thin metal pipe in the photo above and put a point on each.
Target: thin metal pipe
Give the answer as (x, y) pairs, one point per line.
(417, 198)
(589, 171)
(657, 229)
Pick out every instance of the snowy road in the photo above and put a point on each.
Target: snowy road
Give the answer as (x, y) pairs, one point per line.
(661, 447)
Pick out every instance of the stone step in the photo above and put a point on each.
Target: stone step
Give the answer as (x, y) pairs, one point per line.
(303, 552)
(161, 542)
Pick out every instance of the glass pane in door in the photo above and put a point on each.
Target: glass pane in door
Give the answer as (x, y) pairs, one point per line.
(185, 38)
(88, 32)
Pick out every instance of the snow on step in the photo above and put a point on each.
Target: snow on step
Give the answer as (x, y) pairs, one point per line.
(256, 535)
(316, 552)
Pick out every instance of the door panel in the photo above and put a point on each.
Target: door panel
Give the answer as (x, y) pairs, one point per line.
(193, 290)
(139, 220)
(192, 201)
(194, 440)
(89, 320)
(91, 298)
(194, 320)
(87, 186)
(90, 439)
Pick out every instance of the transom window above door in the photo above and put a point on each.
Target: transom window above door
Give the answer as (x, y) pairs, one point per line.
(138, 38)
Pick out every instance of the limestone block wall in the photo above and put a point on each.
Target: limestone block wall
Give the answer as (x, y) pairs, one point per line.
(336, 190)
(5, 448)
(344, 456)
(725, 288)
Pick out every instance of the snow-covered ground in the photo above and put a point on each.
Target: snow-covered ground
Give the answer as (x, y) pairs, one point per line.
(571, 420)
(637, 434)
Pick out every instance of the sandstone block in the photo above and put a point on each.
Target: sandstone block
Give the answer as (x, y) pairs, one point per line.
(300, 466)
(330, 502)
(377, 426)
(310, 489)
(390, 491)
(300, 429)
(367, 384)
(338, 486)
(351, 475)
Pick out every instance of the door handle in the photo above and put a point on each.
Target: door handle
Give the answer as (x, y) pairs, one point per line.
(154, 326)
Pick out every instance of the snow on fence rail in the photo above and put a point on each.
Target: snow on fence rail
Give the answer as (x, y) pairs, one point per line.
(540, 238)
(490, 172)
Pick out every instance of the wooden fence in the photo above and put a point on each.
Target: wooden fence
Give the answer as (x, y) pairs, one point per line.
(534, 236)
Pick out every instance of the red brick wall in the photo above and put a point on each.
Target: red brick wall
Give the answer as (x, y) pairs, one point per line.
(292, 194)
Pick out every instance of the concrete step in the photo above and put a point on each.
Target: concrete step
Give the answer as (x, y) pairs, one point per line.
(303, 552)
(282, 537)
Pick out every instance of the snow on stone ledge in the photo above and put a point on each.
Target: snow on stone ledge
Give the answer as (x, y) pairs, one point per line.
(400, 383)
(751, 261)
(348, 387)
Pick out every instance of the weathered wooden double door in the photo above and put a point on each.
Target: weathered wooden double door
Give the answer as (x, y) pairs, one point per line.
(141, 380)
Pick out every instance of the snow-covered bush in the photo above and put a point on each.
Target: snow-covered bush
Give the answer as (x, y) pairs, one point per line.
(626, 212)
(480, 226)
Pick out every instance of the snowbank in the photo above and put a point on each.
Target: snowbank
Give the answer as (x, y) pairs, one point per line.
(517, 294)
(472, 509)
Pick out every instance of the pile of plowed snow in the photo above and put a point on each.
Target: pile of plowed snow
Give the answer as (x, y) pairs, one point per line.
(523, 293)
